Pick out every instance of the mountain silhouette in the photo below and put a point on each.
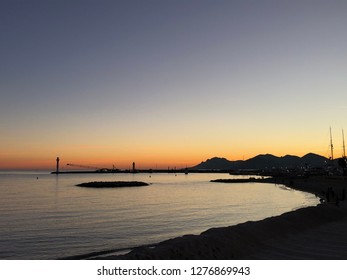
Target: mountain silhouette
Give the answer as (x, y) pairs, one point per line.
(263, 161)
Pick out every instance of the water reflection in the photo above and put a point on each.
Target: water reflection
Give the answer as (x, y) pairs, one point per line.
(50, 217)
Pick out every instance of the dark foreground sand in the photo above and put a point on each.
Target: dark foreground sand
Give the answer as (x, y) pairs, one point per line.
(310, 233)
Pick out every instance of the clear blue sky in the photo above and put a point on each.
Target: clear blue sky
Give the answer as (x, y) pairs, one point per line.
(169, 82)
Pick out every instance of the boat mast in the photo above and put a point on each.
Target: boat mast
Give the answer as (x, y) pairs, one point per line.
(343, 145)
(331, 146)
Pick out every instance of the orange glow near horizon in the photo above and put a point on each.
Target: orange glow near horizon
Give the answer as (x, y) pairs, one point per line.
(162, 94)
(153, 150)
(142, 160)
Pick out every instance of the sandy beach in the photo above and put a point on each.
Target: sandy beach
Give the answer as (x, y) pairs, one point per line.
(309, 233)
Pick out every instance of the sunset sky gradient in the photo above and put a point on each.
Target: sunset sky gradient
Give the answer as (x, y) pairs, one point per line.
(169, 83)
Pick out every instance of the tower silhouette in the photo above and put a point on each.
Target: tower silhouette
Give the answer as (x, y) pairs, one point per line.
(57, 170)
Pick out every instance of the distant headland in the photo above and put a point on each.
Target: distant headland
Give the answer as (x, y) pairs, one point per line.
(261, 162)
(264, 161)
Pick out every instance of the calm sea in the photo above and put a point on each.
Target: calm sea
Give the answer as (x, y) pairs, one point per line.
(44, 216)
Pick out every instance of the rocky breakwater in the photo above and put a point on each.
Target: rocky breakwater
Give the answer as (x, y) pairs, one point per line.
(113, 184)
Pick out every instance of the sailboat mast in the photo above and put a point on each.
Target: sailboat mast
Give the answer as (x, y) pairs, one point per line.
(331, 146)
(343, 146)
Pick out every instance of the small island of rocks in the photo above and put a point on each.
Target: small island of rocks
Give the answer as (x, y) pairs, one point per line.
(114, 184)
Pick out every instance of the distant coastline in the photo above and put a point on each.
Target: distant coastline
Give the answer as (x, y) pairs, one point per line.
(259, 163)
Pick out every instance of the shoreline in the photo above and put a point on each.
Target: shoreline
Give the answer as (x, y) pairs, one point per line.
(317, 185)
(293, 235)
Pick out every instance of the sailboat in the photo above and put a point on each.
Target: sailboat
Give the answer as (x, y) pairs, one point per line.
(331, 148)
(343, 161)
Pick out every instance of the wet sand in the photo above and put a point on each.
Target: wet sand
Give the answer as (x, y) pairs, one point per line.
(309, 233)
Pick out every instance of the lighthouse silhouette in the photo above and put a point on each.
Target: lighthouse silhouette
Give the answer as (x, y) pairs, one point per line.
(57, 170)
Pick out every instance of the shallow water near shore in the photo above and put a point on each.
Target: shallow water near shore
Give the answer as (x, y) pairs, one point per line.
(45, 216)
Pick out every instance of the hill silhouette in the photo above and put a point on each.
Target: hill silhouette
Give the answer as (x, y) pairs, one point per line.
(263, 161)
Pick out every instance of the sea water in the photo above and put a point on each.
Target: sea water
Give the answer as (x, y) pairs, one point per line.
(45, 216)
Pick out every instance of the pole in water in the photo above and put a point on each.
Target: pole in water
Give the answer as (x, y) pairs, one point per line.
(57, 170)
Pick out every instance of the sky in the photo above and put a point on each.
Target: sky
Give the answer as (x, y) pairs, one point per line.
(169, 83)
